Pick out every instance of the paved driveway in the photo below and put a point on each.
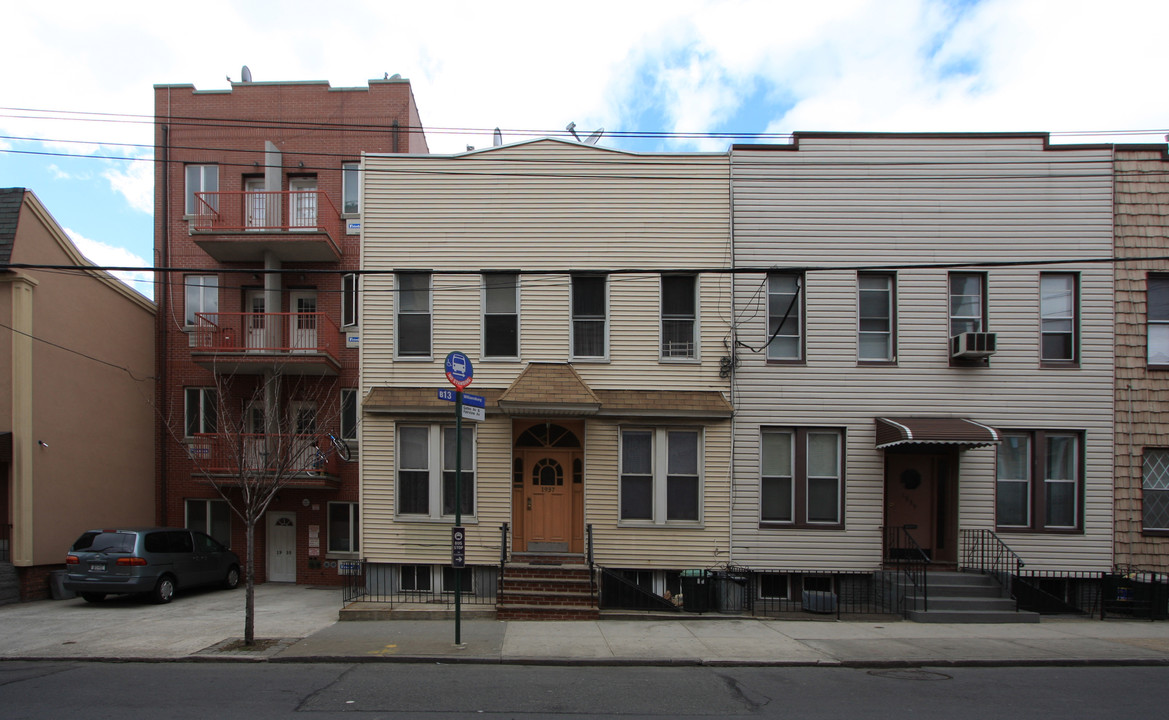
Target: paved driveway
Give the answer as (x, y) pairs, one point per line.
(128, 627)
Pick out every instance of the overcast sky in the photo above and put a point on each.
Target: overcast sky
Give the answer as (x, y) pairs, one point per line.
(1084, 71)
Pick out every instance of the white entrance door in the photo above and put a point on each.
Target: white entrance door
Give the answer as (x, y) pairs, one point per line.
(304, 320)
(281, 547)
(255, 320)
(255, 204)
(302, 202)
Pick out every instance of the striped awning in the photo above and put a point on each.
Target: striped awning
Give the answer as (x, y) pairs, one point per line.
(894, 432)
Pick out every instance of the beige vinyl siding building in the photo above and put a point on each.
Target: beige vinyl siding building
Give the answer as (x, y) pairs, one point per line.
(612, 340)
(898, 242)
(1142, 358)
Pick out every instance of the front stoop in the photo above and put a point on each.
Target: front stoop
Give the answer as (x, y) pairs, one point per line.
(546, 590)
(960, 597)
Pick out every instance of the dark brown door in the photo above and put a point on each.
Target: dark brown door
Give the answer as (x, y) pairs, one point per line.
(911, 497)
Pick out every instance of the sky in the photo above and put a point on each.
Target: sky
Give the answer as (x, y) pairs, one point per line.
(76, 102)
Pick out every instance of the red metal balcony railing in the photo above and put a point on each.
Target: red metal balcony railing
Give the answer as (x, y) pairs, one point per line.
(270, 333)
(276, 210)
(259, 455)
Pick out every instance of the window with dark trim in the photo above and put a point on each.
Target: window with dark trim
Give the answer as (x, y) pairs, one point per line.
(1157, 317)
(1155, 491)
(876, 317)
(590, 316)
(501, 315)
(349, 414)
(209, 516)
(1059, 317)
(1040, 481)
(801, 477)
(679, 316)
(785, 316)
(343, 527)
(413, 314)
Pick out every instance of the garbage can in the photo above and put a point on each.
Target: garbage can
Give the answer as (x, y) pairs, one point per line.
(695, 590)
(57, 586)
(730, 591)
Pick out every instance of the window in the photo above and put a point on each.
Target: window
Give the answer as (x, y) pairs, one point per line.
(210, 516)
(660, 477)
(1058, 317)
(413, 314)
(801, 480)
(350, 188)
(200, 411)
(501, 315)
(424, 489)
(875, 317)
(1155, 490)
(785, 317)
(202, 179)
(967, 303)
(589, 316)
(1157, 310)
(202, 296)
(348, 299)
(349, 415)
(679, 316)
(343, 528)
(415, 578)
(1039, 481)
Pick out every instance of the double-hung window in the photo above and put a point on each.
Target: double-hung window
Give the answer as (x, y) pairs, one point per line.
(1157, 315)
(209, 516)
(590, 316)
(1040, 481)
(967, 303)
(785, 317)
(201, 295)
(413, 315)
(679, 317)
(343, 527)
(426, 471)
(200, 409)
(661, 478)
(202, 179)
(350, 188)
(349, 415)
(501, 315)
(1155, 490)
(348, 299)
(801, 477)
(875, 317)
(1058, 304)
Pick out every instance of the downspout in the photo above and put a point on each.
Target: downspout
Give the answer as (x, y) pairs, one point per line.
(160, 335)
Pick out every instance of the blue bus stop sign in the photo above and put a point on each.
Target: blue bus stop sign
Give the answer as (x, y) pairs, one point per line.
(459, 370)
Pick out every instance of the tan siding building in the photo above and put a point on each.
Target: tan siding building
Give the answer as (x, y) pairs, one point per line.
(575, 280)
(858, 408)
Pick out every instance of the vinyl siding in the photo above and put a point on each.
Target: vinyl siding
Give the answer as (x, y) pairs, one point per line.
(841, 203)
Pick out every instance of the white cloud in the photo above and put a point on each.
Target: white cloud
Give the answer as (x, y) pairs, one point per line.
(135, 182)
(106, 255)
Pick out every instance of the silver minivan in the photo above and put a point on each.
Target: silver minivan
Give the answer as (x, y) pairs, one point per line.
(150, 561)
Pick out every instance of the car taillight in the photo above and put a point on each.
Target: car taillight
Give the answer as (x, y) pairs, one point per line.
(131, 561)
(72, 560)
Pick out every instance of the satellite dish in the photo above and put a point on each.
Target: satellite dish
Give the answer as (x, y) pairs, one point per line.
(245, 74)
(497, 138)
(571, 127)
(396, 76)
(596, 136)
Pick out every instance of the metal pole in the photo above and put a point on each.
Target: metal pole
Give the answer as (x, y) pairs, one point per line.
(458, 511)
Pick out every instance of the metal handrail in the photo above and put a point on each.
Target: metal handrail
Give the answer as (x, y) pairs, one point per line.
(264, 210)
(241, 332)
(592, 567)
(503, 530)
(902, 550)
(985, 552)
(231, 453)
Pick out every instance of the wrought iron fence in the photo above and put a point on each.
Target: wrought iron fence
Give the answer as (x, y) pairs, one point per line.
(400, 584)
(838, 594)
(1135, 592)
(983, 551)
(5, 543)
(907, 583)
(1052, 592)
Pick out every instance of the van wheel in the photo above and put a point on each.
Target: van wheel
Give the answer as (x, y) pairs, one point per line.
(231, 582)
(93, 597)
(163, 591)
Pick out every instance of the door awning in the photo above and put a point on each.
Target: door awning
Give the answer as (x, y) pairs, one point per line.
(894, 432)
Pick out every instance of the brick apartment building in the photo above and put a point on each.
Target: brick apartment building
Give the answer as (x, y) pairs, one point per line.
(257, 210)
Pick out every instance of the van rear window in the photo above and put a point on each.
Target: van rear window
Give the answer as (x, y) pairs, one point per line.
(104, 542)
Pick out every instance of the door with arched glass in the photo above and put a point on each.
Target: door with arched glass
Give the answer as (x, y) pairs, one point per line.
(548, 490)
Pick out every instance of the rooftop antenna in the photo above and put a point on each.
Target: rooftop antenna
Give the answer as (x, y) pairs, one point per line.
(497, 138)
(245, 74)
(595, 137)
(571, 127)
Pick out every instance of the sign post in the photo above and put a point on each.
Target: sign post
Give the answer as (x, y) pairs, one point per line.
(460, 373)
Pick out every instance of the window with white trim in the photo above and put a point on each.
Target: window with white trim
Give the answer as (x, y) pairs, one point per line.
(967, 303)
(1058, 310)
(350, 188)
(349, 415)
(785, 317)
(343, 527)
(1157, 317)
(209, 516)
(801, 477)
(501, 315)
(679, 317)
(426, 471)
(1039, 481)
(200, 410)
(201, 293)
(201, 179)
(349, 300)
(661, 477)
(413, 316)
(590, 317)
(1155, 490)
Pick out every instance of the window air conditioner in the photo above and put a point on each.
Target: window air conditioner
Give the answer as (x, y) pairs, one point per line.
(970, 345)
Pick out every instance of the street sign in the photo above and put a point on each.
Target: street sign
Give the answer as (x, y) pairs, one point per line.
(470, 412)
(468, 399)
(458, 547)
(458, 369)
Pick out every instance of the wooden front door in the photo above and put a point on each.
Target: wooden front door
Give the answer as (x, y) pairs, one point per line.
(548, 499)
(919, 495)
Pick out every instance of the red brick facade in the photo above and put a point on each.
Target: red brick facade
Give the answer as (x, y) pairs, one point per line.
(315, 128)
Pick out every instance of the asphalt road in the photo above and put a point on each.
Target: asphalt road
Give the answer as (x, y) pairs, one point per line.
(94, 690)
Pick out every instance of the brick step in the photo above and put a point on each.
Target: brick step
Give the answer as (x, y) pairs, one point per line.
(546, 584)
(551, 571)
(568, 599)
(550, 559)
(536, 612)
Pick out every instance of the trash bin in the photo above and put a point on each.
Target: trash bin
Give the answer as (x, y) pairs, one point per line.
(730, 591)
(57, 586)
(695, 590)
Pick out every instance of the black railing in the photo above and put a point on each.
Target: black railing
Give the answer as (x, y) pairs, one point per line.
(503, 534)
(397, 584)
(1134, 592)
(856, 593)
(589, 558)
(983, 551)
(5, 543)
(910, 581)
(1052, 592)
(618, 592)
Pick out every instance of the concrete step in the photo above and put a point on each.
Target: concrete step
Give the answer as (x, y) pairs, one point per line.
(995, 604)
(972, 616)
(984, 591)
(966, 579)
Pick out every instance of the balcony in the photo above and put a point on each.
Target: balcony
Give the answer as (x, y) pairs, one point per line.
(253, 343)
(254, 458)
(294, 225)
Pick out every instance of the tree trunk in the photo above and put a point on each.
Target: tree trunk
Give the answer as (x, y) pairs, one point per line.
(250, 586)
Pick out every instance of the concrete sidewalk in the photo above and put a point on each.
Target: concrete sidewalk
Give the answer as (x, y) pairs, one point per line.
(303, 622)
